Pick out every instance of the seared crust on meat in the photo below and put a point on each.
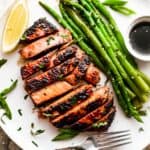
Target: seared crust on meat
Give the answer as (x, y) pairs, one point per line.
(68, 101)
(55, 74)
(79, 71)
(50, 60)
(92, 75)
(62, 81)
(50, 92)
(46, 43)
(107, 119)
(94, 101)
(94, 116)
(40, 28)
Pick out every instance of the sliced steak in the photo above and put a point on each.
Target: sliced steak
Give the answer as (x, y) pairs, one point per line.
(94, 101)
(68, 101)
(46, 43)
(39, 29)
(55, 74)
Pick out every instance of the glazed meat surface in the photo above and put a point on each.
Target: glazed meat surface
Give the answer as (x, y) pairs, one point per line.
(39, 29)
(62, 81)
(48, 61)
(46, 43)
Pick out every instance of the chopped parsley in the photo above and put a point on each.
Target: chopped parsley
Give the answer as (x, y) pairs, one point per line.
(20, 112)
(19, 129)
(32, 125)
(141, 129)
(73, 100)
(99, 124)
(34, 143)
(64, 36)
(26, 96)
(1, 119)
(49, 40)
(60, 77)
(143, 112)
(23, 37)
(37, 132)
(42, 66)
(2, 62)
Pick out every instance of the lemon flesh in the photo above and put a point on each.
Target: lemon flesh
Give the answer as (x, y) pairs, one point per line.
(15, 26)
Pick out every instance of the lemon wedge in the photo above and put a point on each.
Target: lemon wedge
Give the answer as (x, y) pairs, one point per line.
(15, 26)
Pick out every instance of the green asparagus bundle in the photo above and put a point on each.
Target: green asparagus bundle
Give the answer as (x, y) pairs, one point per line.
(96, 32)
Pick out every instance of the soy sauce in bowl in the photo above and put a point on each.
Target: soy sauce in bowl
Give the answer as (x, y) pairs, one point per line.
(140, 37)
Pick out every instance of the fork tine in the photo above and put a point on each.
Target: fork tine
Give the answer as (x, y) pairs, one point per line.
(113, 141)
(116, 132)
(106, 138)
(115, 145)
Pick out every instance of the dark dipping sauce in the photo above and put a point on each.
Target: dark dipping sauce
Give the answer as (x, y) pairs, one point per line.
(140, 37)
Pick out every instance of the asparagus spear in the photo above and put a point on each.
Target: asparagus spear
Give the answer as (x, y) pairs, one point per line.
(97, 16)
(106, 43)
(114, 82)
(114, 45)
(114, 2)
(134, 112)
(101, 51)
(118, 34)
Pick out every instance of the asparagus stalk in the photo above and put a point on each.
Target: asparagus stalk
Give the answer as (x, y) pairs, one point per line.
(99, 18)
(132, 109)
(109, 50)
(118, 34)
(131, 94)
(101, 51)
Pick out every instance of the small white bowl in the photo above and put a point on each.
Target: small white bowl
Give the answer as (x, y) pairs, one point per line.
(137, 54)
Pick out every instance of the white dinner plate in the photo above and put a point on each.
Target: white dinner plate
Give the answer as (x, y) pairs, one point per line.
(11, 70)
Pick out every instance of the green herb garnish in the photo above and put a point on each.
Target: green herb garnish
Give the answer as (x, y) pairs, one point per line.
(64, 36)
(32, 125)
(119, 6)
(26, 96)
(115, 2)
(1, 118)
(42, 66)
(60, 77)
(23, 37)
(9, 89)
(20, 112)
(99, 124)
(5, 106)
(2, 62)
(49, 40)
(141, 129)
(65, 134)
(73, 100)
(143, 112)
(37, 132)
(123, 10)
(3, 97)
(19, 129)
(34, 143)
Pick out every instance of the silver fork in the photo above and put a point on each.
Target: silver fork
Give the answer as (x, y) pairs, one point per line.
(104, 140)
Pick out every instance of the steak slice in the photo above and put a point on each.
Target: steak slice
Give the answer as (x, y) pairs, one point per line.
(40, 28)
(48, 61)
(54, 74)
(94, 101)
(46, 43)
(68, 101)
